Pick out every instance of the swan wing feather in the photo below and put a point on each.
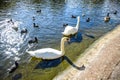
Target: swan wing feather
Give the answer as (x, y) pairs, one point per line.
(46, 53)
(69, 30)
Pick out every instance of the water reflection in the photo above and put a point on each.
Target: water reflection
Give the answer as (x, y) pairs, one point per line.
(76, 38)
(53, 63)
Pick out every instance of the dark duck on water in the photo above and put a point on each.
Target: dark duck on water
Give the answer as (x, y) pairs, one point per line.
(73, 16)
(88, 20)
(24, 31)
(34, 25)
(107, 18)
(14, 67)
(33, 41)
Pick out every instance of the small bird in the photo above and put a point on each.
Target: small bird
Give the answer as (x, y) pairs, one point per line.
(11, 21)
(38, 11)
(73, 16)
(33, 18)
(24, 31)
(14, 67)
(115, 12)
(107, 18)
(33, 41)
(34, 25)
(64, 25)
(88, 20)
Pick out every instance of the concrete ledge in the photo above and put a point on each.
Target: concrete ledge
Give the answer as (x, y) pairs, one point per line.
(101, 60)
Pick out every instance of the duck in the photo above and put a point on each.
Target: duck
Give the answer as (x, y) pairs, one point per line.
(115, 12)
(11, 21)
(34, 25)
(24, 31)
(38, 11)
(49, 53)
(73, 16)
(69, 30)
(33, 41)
(33, 18)
(107, 18)
(14, 67)
(64, 25)
(88, 20)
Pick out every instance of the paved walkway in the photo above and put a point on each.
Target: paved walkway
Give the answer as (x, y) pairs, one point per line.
(101, 60)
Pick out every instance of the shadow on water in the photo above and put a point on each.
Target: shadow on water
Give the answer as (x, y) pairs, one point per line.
(48, 63)
(53, 63)
(90, 36)
(77, 38)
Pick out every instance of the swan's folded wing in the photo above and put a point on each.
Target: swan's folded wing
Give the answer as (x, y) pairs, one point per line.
(69, 30)
(48, 53)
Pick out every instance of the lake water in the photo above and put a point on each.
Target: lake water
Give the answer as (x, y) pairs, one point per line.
(54, 13)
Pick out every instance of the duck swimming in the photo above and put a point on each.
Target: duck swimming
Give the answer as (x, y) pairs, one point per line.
(34, 25)
(64, 25)
(107, 18)
(24, 31)
(38, 11)
(115, 12)
(88, 20)
(73, 16)
(14, 67)
(33, 18)
(33, 41)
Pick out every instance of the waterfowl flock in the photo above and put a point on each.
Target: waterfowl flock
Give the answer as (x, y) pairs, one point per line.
(49, 53)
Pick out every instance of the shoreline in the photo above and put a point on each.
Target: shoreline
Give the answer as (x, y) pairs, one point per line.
(101, 60)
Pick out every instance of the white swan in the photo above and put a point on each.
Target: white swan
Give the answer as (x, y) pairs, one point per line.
(49, 53)
(69, 30)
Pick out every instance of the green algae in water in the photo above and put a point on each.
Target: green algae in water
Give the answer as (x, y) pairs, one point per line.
(37, 69)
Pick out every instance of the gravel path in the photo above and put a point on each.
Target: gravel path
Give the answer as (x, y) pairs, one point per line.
(101, 60)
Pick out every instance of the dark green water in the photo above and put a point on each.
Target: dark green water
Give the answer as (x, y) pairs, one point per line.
(54, 13)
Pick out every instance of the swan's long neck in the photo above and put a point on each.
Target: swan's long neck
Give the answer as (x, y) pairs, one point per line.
(62, 46)
(78, 23)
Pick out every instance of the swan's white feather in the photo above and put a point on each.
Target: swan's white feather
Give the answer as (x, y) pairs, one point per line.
(46, 53)
(69, 30)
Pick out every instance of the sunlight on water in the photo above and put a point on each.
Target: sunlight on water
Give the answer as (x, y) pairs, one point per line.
(54, 13)
(10, 40)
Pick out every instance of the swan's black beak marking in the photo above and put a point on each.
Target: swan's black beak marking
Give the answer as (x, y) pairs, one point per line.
(68, 40)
